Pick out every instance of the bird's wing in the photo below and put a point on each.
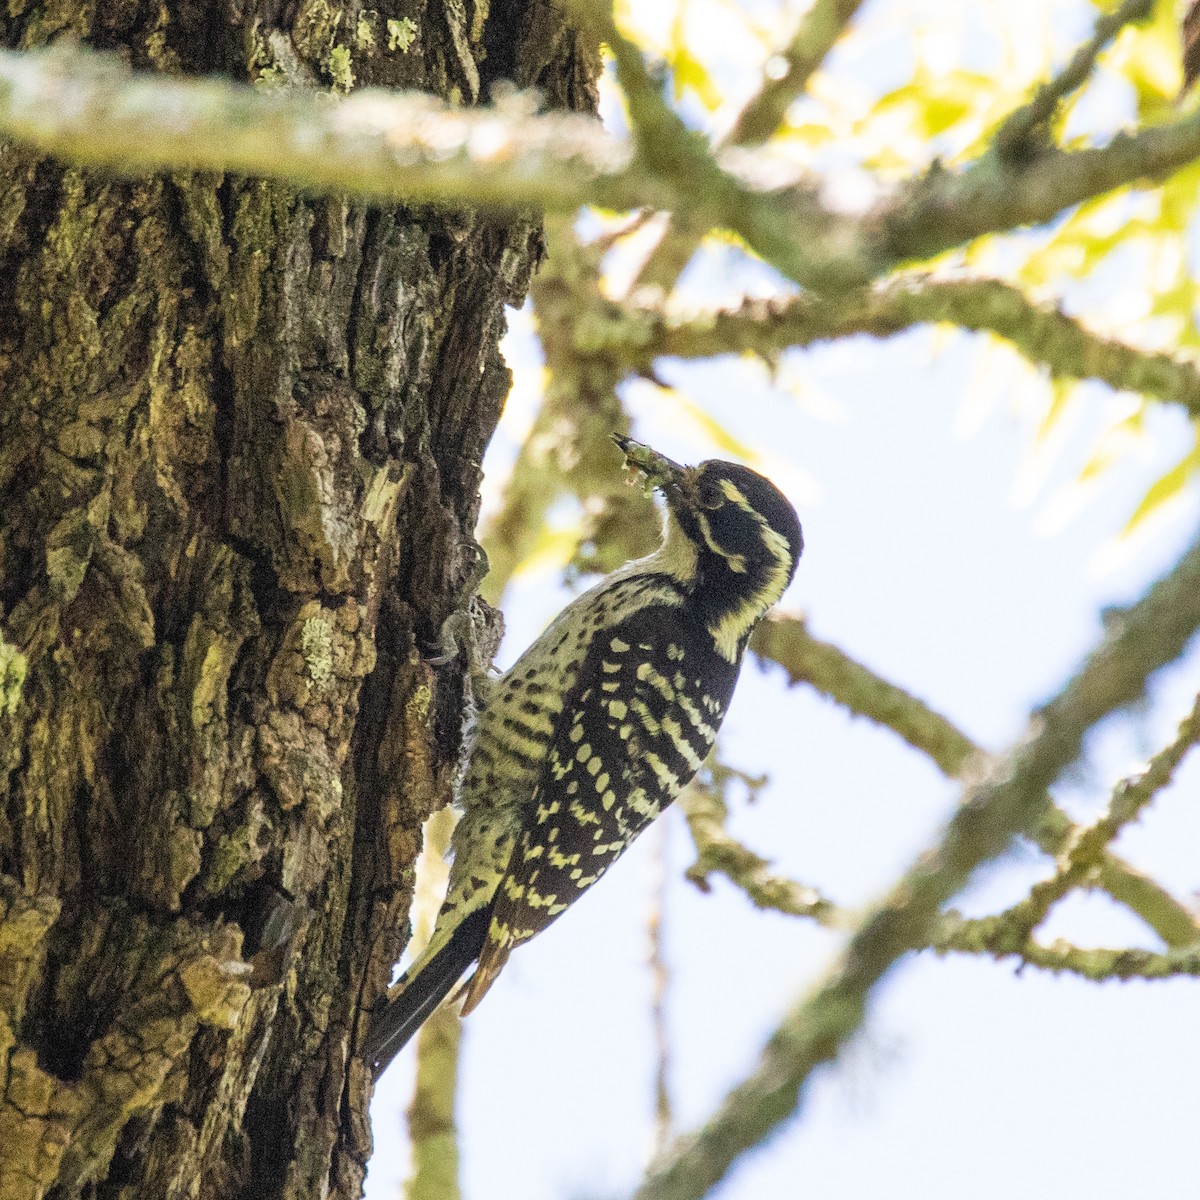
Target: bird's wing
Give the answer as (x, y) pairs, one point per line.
(640, 720)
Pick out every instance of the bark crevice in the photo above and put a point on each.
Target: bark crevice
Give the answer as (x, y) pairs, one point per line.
(240, 443)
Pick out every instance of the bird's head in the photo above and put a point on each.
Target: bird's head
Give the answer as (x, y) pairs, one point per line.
(745, 534)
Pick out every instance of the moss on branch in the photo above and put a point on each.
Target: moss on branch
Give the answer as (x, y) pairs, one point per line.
(402, 146)
(786, 640)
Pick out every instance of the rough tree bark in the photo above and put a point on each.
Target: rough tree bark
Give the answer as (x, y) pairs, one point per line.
(240, 443)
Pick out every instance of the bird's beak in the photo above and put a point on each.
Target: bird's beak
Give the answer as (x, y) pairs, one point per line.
(660, 471)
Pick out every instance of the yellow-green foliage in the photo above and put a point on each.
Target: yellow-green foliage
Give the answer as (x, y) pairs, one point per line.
(885, 109)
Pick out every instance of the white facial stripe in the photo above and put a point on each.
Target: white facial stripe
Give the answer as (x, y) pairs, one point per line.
(779, 546)
(737, 562)
(728, 632)
(734, 493)
(676, 557)
(781, 565)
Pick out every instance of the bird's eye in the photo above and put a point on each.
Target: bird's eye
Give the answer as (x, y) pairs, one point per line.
(711, 495)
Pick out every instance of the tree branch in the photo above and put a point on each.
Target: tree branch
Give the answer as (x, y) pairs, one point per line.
(660, 981)
(1081, 855)
(1084, 860)
(376, 145)
(674, 153)
(944, 209)
(1043, 334)
(821, 27)
(1096, 964)
(432, 1129)
(1008, 799)
(389, 147)
(1019, 127)
(717, 851)
(785, 640)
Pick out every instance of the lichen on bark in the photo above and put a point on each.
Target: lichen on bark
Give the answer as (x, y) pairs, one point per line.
(240, 444)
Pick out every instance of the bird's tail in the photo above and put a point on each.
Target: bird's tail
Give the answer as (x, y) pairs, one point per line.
(411, 1002)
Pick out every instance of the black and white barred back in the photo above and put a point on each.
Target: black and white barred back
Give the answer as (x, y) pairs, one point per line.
(599, 725)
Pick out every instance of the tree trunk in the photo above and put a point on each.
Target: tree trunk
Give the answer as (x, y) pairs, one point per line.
(240, 444)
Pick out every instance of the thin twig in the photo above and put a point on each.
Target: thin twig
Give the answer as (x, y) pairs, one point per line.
(1084, 862)
(1084, 850)
(431, 1123)
(659, 983)
(717, 851)
(956, 936)
(1020, 126)
(784, 639)
(821, 27)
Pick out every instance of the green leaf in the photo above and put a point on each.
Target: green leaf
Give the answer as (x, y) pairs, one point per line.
(1062, 391)
(1167, 487)
(721, 437)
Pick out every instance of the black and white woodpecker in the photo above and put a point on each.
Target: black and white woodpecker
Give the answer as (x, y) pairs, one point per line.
(598, 726)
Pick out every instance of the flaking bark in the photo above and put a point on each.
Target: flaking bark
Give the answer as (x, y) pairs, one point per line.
(240, 444)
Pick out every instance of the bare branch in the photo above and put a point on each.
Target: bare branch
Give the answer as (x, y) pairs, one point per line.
(944, 208)
(786, 641)
(820, 28)
(660, 982)
(1083, 852)
(377, 145)
(673, 152)
(823, 24)
(1133, 794)
(717, 851)
(1084, 863)
(432, 1129)
(1099, 964)
(431, 1124)
(956, 936)
(1008, 799)
(392, 147)
(1043, 334)
(1014, 134)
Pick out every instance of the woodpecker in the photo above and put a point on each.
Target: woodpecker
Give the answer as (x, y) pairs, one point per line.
(598, 726)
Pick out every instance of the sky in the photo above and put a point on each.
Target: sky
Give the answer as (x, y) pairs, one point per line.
(919, 563)
(949, 552)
